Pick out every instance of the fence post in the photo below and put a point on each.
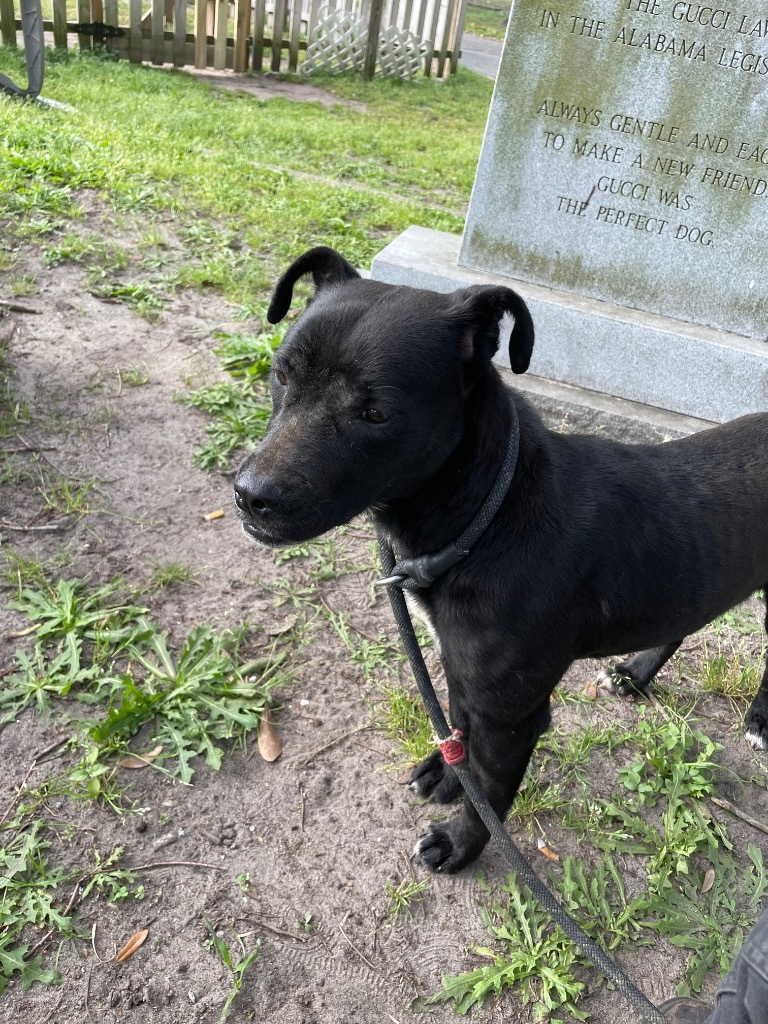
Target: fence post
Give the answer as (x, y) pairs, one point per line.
(372, 45)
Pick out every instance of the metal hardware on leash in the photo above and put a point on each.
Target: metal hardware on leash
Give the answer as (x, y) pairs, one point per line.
(396, 580)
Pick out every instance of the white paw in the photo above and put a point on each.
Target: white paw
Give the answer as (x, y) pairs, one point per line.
(606, 682)
(755, 739)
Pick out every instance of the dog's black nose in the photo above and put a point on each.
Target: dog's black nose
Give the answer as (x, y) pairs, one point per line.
(258, 496)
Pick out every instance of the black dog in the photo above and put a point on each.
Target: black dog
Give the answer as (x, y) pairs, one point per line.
(385, 399)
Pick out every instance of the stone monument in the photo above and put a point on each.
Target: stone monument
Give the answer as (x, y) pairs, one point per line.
(623, 188)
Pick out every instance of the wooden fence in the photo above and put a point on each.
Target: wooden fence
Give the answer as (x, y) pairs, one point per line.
(258, 35)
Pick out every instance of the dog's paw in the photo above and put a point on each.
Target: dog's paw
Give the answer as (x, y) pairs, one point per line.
(756, 731)
(614, 682)
(437, 850)
(606, 682)
(434, 780)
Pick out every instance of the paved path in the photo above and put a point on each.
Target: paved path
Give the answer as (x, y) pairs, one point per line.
(481, 55)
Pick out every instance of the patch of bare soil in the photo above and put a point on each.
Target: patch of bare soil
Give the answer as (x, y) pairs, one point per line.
(269, 86)
(320, 831)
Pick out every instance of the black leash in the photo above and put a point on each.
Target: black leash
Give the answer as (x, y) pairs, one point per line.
(420, 572)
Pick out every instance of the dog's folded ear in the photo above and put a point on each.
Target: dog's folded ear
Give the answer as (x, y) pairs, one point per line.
(327, 268)
(480, 309)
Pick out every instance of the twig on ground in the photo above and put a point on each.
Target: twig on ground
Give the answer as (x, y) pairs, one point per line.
(303, 802)
(733, 809)
(52, 528)
(19, 791)
(354, 947)
(345, 735)
(175, 864)
(88, 992)
(52, 749)
(58, 1004)
(36, 760)
(28, 448)
(18, 307)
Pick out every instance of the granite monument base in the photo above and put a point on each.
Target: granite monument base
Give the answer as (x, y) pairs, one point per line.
(671, 375)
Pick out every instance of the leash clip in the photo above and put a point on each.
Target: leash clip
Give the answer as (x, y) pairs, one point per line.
(388, 581)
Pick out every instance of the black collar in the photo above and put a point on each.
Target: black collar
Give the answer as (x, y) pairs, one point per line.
(413, 573)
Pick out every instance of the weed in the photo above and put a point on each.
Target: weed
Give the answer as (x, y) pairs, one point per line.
(530, 954)
(171, 574)
(237, 970)
(65, 610)
(19, 572)
(145, 297)
(248, 355)
(204, 695)
(30, 886)
(133, 376)
(240, 415)
(713, 924)
(739, 619)
(13, 413)
(307, 924)
(403, 718)
(535, 798)
(67, 620)
(402, 897)
(573, 750)
(88, 249)
(22, 285)
(65, 496)
(732, 671)
(599, 901)
(676, 761)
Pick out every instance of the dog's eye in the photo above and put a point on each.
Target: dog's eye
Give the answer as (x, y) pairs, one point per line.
(282, 379)
(375, 416)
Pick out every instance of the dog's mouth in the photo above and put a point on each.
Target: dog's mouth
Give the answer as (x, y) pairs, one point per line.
(263, 536)
(277, 535)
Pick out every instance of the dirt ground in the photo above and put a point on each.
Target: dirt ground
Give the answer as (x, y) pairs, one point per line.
(320, 831)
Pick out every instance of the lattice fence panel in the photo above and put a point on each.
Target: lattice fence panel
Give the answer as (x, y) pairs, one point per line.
(401, 53)
(338, 41)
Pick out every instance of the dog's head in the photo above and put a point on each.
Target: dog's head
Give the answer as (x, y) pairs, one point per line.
(368, 388)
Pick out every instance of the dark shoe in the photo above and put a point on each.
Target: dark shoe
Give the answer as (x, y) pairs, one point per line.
(686, 1011)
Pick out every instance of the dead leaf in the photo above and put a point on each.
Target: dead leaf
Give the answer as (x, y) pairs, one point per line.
(270, 745)
(135, 942)
(590, 690)
(709, 880)
(543, 848)
(218, 514)
(140, 760)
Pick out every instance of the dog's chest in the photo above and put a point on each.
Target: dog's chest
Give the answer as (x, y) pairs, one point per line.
(419, 610)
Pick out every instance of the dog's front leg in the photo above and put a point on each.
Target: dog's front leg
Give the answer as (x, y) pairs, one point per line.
(498, 756)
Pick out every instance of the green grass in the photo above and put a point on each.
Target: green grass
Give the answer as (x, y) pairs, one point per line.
(732, 670)
(489, 20)
(236, 967)
(659, 813)
(221, 165)
(402, 897)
